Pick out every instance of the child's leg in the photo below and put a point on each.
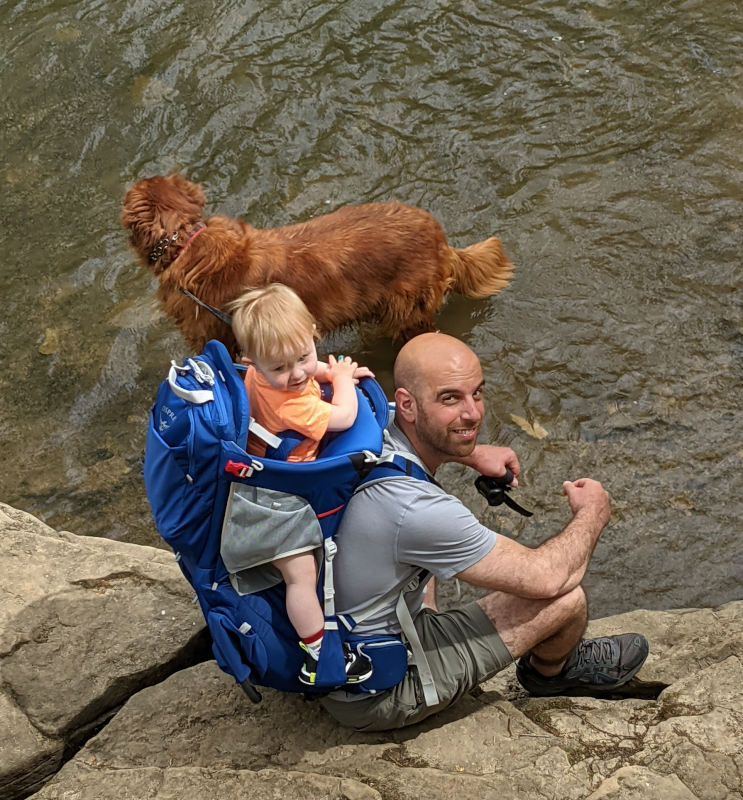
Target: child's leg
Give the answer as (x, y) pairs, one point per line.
(302, 606)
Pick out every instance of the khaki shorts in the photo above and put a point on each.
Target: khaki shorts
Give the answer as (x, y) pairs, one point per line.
(463, 649)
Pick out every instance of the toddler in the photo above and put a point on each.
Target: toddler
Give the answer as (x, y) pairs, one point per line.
(277, 334)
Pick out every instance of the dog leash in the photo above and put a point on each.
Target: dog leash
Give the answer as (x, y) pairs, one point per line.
(220, 315)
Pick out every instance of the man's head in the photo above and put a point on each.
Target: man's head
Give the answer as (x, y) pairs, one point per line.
(438, 397)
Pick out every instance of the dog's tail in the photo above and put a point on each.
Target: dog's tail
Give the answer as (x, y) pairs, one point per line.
(480, 270)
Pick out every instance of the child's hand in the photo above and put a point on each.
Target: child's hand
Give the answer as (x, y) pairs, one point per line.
(362, 372)
(346, 367)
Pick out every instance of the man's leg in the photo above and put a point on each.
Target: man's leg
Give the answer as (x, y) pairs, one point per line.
(548, 629)
(468, 645)
(462, 648)
(547, 634)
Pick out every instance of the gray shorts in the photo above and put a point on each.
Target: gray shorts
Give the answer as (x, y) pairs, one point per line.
(463, 649)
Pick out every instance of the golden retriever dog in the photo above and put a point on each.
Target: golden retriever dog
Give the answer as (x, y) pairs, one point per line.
(384, 262)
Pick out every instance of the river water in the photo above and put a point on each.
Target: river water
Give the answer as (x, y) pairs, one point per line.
(602, 141)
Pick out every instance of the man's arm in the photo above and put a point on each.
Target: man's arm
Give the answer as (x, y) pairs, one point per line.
(492, 461)
(558, 565)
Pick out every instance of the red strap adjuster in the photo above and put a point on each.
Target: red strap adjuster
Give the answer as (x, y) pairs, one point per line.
(238, 468)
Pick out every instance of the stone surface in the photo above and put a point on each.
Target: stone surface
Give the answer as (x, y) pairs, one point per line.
(84, 624)
(27, 757)
(92, 671)
(484, 747)
(633, 783)
(195, 783)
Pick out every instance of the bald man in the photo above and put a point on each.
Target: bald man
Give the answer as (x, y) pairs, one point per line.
(397, 527)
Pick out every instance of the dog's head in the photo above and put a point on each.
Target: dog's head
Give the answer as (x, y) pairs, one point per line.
(159, 212)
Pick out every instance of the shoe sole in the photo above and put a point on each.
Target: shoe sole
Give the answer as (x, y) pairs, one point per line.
(359, 678)
(349, 679)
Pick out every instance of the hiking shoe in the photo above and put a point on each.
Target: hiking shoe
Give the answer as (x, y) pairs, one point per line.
(358, 667)
(596, 664)
(308, 673)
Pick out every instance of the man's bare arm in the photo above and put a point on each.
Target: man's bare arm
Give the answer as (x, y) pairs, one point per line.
(558, 565)
(492, 461)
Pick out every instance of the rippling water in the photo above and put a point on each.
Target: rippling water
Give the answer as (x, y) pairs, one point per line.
(603, 142)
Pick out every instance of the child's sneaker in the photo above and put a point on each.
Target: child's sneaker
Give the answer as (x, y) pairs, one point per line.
(308, 673)
(358, 667)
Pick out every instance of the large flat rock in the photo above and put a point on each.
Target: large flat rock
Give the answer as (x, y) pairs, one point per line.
(195, 783)
(84, 624)
(101, 638)
(197, 732)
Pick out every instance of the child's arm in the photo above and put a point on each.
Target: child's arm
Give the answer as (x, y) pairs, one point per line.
(345, 405)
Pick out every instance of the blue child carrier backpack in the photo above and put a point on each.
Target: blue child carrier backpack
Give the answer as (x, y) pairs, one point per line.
(223, 513)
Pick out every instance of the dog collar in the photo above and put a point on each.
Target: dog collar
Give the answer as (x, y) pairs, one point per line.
(164, 243)
(162, 246)
(198, 228)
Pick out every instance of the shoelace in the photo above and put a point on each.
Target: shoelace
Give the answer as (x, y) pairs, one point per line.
(597, 651)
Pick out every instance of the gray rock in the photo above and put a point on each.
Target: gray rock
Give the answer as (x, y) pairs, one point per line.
(195, 783)
(84, 624)
(27, 757)
(85, 647)
(631, 783)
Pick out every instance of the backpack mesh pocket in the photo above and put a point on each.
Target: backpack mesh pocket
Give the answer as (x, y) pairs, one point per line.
(260, 526)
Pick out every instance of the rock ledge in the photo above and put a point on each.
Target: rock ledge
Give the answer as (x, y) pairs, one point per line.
(102, 637)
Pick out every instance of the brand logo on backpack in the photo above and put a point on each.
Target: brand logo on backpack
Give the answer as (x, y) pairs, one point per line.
(166, 418)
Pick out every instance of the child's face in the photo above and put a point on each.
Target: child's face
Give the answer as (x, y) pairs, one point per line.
(289, 373)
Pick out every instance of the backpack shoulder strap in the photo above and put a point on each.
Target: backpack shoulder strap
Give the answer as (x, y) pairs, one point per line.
(397, 465)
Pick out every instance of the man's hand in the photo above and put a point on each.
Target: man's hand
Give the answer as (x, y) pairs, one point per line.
(493, 461)
(588, 495)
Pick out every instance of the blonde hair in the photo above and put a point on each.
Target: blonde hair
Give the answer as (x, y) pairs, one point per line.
(272, 322)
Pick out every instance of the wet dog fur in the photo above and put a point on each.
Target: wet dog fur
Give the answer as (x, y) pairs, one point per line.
(383, 262)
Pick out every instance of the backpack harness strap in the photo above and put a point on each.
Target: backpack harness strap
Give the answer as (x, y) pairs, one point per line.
(269, 438)
(330, 548)
(388, 468)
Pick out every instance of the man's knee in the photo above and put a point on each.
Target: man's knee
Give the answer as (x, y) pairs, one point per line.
(523, 623)
(574, 604)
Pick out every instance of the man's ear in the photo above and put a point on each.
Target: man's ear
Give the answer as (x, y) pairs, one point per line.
(405, 405)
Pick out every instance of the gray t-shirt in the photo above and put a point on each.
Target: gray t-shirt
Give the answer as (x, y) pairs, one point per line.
(393, 529)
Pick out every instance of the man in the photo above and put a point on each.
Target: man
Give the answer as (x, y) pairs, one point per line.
(393, 529)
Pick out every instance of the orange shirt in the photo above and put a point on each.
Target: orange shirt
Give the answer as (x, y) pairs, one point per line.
(304, 412)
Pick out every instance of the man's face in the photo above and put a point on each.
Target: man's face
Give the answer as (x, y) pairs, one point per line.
(450, 408)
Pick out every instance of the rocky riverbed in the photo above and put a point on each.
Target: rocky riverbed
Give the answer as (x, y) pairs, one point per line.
(108, 690)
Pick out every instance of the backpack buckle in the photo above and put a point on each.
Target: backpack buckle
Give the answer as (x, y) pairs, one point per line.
(331, 548)
(241, 470)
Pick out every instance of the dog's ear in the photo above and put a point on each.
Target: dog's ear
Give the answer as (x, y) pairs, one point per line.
(191, 192)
